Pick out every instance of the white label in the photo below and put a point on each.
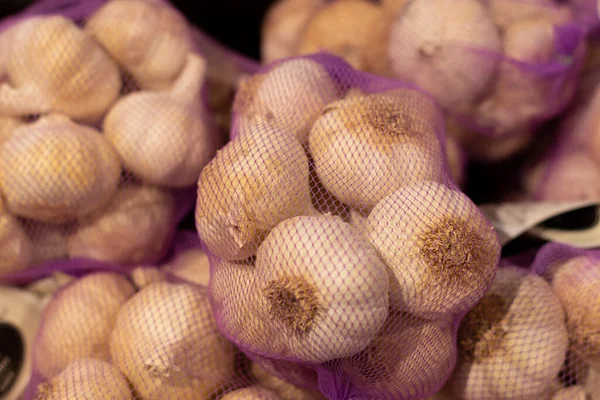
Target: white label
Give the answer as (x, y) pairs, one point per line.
(511, 220)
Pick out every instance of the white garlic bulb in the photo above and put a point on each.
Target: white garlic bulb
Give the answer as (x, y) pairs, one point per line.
(166, 342)
(79, 320)
(432, 44)
(283, 24)
(148, 39)
(8, 125)
(365, 148)
(49, 241)
(251, 185)
(143, 276)
(505, 12)
(255, 392)
(576, 284)
(520, 96)
(53, 66)
(55, 170)
(409, 358)
(301, 297)
(15, 246)
(576, 171)
(358, 220)
(342, 28)
(134, 228)
(165, 138)
(513, 343)
(87, 378)
(441, 250)
(290, 96)
(570, 393)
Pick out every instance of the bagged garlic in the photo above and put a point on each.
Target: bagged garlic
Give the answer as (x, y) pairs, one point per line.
(336, 232)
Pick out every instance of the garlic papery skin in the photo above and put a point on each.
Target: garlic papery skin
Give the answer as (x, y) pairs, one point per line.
(253, 183)
(518, 95)
(53, 66)
(8, 125)
(166, 342)
(264, 373)
(135, 227)
(441, 251)
(55, 170)
(365, 148)
(15, 245)
(165, 138)
(149, 40)
(576, 283)
(255, 392)
(342, 28)
(506, 12)
(305, 299)
(283, 25)
(358, 220)
(434, 43)
(570, 393)
(191, 265)
(143, 276)
(576, 171)
(87, 378)
(79, 320)
(48, 241)
(291, 96)
(408, 359)
(513, 343)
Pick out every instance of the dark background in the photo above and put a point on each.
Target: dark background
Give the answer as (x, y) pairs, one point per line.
(235, 23)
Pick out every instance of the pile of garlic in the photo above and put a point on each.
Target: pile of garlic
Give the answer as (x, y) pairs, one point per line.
(337, 238)
(499, 64)
(101, 123)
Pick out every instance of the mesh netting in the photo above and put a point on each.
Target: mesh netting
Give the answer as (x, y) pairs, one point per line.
(105, 128)
(499, 67)
(342, 252)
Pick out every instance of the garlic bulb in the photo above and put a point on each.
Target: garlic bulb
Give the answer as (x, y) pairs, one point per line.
(302, 299)
(520, 96)
(358, 220)
(79, 320)
(15, 246)
(513, 343)
(143, 276)
(55, 170)
(442, 252)
(432, 42)
(149, 40)
(255, 392)
(48, 241)
(290, 96)
(576, 284)
(53, 66)
(192, 265)
(506, 12)
(342, 28)
(251, 185)
(365, 148)
(134, 228)
(165, 138)
(591, 384)
(282, 26)
(409, 358)
(575, 171)
(456, 160)
(87, 378)
(570, 393)
(167, 344)
(286, 390)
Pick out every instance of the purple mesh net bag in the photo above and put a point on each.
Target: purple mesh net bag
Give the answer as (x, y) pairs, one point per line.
(342, 253)
(499, 67)
(105, 125)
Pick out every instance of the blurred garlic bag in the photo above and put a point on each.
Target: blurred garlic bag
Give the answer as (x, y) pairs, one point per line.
(332, 229)
(146, 38)
(513, 343)
(41, 57)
